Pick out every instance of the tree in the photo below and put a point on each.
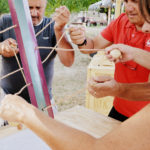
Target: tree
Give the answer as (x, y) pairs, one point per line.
(4, 8)
(73, 5)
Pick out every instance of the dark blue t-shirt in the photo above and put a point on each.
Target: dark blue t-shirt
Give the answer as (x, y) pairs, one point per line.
(14, 83)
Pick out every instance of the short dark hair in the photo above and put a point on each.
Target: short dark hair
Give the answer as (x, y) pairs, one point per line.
(145, 8)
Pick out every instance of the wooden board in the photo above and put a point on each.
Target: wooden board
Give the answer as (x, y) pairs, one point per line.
(99, 65)
(86, 120)
(77, 117)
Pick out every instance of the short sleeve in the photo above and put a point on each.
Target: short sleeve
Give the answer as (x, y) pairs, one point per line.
(114, 28)
(107, 32)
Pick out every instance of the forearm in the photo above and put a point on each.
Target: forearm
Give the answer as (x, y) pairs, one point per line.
(98, 43)
(134, 91)
(0, 48)
(133, 134)
(141, 57)
(66, 57)
(57, 135)
(87, 49)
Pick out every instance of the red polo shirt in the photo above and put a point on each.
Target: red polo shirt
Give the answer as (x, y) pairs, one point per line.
(122, 31)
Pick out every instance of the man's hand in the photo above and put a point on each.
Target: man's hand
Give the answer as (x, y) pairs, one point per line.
(61, 17)
(127, 52)
(77, 34)
(14, 108)
(102, 86)
(8, 48)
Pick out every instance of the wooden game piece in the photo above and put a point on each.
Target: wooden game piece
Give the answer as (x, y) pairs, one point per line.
(116, 54)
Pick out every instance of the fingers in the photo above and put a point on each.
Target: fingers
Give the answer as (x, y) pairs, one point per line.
(116, 54)
(101, 86)
(6, 99)
(93, 86)
(61, 17)
(102, 79)
(113, 53)
(97, 89)
(9, 48)
(92, 92)
(11, 108)
(4, 106)
(77, 34)
(9, 53)
(62, 10)
(12, 42)
(125, 50)
(110, 48)
(92, 83)
(98, 82)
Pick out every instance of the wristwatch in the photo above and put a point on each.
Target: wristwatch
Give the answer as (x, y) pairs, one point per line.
(84, 43)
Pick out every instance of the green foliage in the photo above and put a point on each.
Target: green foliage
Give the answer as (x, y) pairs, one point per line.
(4, 8)
(73, 5)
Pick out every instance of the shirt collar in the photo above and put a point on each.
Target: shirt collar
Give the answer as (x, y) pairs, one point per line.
(131, 25)
(39, 23)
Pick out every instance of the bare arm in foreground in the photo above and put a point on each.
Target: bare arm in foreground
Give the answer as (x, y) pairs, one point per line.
(8, 48)
(133, 134)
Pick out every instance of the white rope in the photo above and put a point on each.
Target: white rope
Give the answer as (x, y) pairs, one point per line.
(7, 29)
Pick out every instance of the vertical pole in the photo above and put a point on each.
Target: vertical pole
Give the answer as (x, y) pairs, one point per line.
(118, 8)
(30, 56)
(109, 15)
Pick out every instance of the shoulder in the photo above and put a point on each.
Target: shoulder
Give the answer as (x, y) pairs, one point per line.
(47, 20)
(6, 20)
(123, 16)
(49, 31)
(119, 23)
(115, 27)
(122, 19)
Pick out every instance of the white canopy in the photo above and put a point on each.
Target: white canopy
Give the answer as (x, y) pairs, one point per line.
(101, 4)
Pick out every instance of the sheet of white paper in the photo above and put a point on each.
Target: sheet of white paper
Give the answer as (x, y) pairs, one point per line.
(23, 140)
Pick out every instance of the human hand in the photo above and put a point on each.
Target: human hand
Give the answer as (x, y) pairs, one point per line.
(61, 17)
(77, 34)
(126, 52)
(8, 48)
(102, 86)
(14, 108)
